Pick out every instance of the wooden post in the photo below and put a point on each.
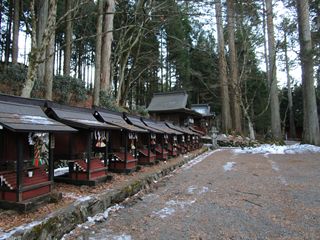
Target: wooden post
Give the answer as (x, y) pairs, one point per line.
(19, 167)
(126, 133)
(106, 150)
(89, 146)
(50, 160)
(149, 145)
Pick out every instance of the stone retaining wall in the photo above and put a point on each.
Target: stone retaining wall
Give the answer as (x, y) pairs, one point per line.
(63, 221)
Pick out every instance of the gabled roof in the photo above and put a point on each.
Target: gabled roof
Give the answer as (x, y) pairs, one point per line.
(115, 118)
(153, 124)
(180, 129)
(20, 117)
(22, 100)
(196, 131)
(76, 117)
(168, 101)
(136, 121)
(160, 126)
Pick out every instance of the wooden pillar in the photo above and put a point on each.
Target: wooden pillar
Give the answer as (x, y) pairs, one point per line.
(19, 167)
(125, 134)
(89, 146)
(149, 144)
(50, 160)
(106, 150)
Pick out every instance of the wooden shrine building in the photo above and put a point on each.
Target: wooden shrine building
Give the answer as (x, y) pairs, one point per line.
(124, 141)
(147, 143)
(161, 139)
(170, 137)
(173, 107)
(205, 122)
(185, 143)
(27, 141)
(86, 151)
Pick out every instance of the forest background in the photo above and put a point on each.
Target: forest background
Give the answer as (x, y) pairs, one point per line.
(116, 54)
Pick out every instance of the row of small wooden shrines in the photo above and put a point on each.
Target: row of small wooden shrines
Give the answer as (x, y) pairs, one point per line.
(37, 135)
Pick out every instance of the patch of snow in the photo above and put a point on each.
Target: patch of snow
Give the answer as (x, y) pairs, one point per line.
(100, 217)
(283, 180)
(181, 204)
(274, 149)
(103, 216)
(21, 228)
(122, 237)
(199, 159)
(83, 199)
(204, 190)
(71, 195)
(192, 190)
(228, 166)
(165, 212)
(275, 166)
(61, 171)
(169, 209)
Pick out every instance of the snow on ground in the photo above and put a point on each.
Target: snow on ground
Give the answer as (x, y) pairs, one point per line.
(61, 171)
(170, 208)
(199, 159)
(103, 216)
(165, 212)
(6, 235)
(275, 166)
(193, 190)
(228, 166)
(97, 218)
(274, 149)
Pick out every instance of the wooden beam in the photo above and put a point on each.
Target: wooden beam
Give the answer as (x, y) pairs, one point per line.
(19, 167)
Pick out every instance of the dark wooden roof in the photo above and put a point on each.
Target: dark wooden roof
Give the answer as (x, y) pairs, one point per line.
(196, 131)
(160, 126)
(136, 121)
(168, 101)
(27, 118)
(22, 100)
(115, 118)
(171, 102)
(180, 129)
(76, 117)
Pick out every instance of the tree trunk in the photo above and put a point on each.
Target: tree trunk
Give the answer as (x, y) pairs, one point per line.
(68, 39)
(1, 45)
(107, 46)
(42, 11)
(274, 99)
(225, 111)
(311, 132)
(38, 50)
(33, 64)
(236, 109)
(265, 41)
(8, 35)
(49, 63)
(290, 101)
(97, 77)
(16, 25)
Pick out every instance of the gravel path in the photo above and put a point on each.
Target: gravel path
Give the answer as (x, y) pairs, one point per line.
(225, 196)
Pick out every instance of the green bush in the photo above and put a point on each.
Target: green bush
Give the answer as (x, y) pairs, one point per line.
(13, 76)
(68, 89)
(141, 111)
(108, 101)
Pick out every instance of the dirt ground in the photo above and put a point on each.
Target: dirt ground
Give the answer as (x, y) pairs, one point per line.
(225, 196)
(10, 219)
